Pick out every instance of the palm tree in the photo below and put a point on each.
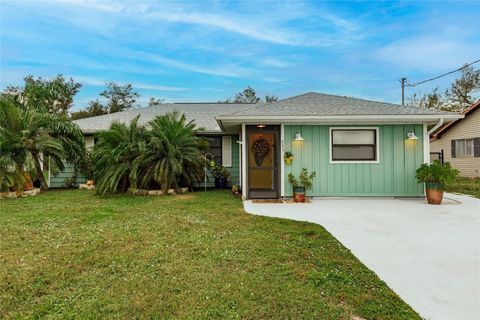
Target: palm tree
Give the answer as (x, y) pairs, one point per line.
(28, 134)
(172, 156)
(113, 155)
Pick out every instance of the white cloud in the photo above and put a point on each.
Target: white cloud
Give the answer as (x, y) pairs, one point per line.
(96, 82)
(428, 53)
(223, 70)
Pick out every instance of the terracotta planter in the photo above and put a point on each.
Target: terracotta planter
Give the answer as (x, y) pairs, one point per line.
(434, 192)
(299, 195)
(28, 185)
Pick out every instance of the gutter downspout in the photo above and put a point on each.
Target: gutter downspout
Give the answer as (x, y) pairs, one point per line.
(438, 125)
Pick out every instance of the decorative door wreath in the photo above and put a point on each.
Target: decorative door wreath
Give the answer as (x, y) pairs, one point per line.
(260, 149)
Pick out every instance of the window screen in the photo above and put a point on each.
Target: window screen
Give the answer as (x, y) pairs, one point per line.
(354, 145)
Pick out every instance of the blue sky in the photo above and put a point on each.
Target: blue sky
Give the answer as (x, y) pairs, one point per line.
(207, 51)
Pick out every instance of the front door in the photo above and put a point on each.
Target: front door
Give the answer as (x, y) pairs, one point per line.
(263, 159)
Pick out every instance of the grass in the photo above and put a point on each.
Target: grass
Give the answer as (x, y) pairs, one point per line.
(71, 254)
(465, 185)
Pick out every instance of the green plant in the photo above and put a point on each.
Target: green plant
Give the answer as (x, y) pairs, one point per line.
(114, 153)
(30, 134)
(436, 172)
(10, 176)
(288, 155)
(220, 172)
(172, 157)
(306, 179)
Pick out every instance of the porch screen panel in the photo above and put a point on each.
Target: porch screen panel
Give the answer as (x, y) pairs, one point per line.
(261, 161)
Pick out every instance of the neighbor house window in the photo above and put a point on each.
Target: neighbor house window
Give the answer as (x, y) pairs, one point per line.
(215, 148)
(464, 147)
(354, 145)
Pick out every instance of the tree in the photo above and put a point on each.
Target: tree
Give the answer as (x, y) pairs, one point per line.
(270, 98)
(463, 92)
(248, 95)
(114, 153)
(95, 108)
(431, 100)
(119, 97)
(172, 157)
(54, 95)
(32, 135)
(154, 102)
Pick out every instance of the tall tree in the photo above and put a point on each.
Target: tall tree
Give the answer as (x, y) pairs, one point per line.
(463, 92)
(95, 108)
(432, 100)
(249, 95)
(119, 98)
(52, 95)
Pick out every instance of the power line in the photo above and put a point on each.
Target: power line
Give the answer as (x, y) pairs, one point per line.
(442, 75)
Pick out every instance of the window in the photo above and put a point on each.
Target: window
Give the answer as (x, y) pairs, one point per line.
(464, 147)
(354, 144)
(215, 148)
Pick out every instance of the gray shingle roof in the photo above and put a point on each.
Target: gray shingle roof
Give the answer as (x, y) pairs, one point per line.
(203, 114)
(304, 105)
(318, 104)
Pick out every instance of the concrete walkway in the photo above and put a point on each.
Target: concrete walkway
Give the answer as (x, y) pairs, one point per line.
(429, 255)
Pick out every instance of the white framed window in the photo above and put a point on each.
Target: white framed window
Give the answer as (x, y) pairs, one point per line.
(354, 145)
(464, 147)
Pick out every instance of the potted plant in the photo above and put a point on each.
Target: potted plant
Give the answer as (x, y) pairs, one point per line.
(288, 157)
(305, 183)
(435, 176)
(221, 175)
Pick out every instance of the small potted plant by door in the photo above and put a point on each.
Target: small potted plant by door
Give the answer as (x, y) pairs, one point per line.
(221, 176)
(436, 176)
(288, 157)
(305, 183)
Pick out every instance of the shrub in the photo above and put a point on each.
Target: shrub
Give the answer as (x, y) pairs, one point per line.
(436, 173)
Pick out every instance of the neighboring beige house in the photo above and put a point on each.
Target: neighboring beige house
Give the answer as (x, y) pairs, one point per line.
(459, 141)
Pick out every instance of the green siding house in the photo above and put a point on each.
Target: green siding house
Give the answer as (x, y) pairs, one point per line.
(357, 147)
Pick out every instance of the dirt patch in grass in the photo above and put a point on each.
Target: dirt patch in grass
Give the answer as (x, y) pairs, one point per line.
(71, 254)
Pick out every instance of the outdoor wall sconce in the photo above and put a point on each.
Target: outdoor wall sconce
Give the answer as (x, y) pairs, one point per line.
(411, 136)
(298, 137)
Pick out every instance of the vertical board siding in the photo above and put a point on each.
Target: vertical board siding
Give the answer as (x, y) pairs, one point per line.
(394, 175)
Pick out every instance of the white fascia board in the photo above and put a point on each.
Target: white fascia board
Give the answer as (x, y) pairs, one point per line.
(338, 119)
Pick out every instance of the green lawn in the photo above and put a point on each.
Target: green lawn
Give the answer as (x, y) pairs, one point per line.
(71, 254)
(465, 185)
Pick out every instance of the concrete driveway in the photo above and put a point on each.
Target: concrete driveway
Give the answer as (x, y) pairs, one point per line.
(429, 255)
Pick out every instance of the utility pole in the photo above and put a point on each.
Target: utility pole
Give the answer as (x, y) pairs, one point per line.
(403, 80)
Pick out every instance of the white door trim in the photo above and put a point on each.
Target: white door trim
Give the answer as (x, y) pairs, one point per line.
(244, 162)
(282, 163)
